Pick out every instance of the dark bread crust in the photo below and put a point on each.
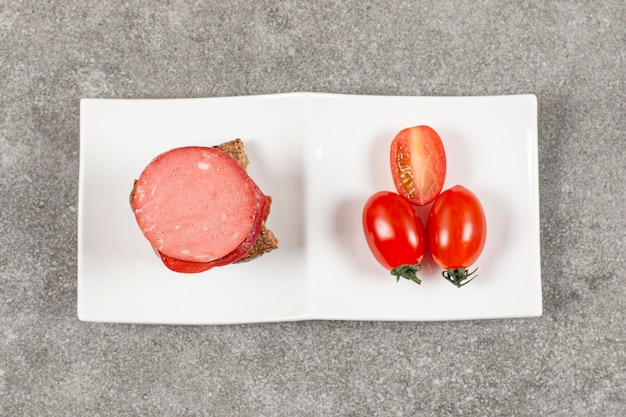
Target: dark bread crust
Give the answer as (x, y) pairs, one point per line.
(266, 241)
(235, 149)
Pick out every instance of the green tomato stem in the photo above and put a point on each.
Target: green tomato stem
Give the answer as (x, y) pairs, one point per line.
(408, 272)
(459, 276)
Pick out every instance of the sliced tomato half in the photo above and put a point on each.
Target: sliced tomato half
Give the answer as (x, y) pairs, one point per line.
(418, 164)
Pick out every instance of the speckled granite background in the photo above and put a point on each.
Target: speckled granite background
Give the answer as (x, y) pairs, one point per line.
(569, 362)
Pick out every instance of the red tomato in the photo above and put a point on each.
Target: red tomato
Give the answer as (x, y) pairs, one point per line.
(418, 164)
(394, 234)
(456, 229)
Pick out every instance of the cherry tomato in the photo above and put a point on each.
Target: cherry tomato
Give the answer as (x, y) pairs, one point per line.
(418, 164)
(456, 231)
(394, 234)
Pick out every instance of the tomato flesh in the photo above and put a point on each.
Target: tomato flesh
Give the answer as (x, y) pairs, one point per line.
(456, 231)
(418, 164)
(394, 233)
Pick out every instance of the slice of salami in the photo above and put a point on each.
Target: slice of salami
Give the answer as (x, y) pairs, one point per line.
(197, 204)
(178, 265)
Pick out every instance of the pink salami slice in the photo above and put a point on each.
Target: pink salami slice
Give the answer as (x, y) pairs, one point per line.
(178, 265)
(197, 204)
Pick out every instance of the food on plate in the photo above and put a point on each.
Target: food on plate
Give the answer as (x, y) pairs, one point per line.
(418, 164)
(394, 234)
(456, 231)
(199, 208)
(456, 228)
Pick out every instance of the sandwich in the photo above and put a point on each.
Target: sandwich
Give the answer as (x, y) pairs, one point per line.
(199, 209)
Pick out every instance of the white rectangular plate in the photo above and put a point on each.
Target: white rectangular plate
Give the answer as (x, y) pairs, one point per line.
(320, 156)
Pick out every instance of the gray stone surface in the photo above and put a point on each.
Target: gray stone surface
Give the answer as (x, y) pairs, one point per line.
(569, 362)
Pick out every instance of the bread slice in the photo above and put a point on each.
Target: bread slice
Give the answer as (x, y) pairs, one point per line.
(266, 241)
